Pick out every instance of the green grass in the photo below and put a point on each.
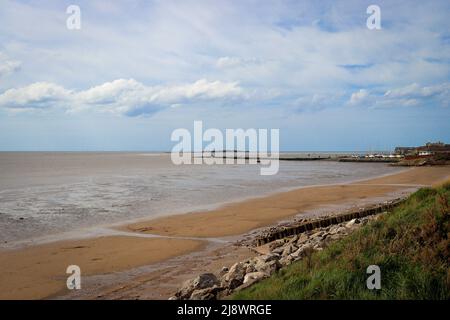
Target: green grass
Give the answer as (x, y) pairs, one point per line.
(410, 245)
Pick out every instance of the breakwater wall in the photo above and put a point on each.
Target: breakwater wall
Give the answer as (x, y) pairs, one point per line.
(291, 230)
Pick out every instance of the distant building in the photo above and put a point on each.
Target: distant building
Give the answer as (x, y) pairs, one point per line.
(404, 150)
(429, 148)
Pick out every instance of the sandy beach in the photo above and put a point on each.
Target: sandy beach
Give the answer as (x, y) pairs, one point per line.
(39, 271)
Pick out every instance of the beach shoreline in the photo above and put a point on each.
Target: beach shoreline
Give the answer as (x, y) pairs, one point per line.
(38, 272)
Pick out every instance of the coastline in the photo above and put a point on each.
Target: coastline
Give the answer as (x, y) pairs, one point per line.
(39, 271)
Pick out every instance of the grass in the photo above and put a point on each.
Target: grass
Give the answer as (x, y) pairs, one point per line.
(410, 245)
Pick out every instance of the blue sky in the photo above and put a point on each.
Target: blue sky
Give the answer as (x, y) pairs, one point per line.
(139, 69)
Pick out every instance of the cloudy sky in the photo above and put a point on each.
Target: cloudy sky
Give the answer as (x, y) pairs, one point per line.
(136, 70)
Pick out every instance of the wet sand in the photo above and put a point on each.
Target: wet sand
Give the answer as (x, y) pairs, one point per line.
(39, 271)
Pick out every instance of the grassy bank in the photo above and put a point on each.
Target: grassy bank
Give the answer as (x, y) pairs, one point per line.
(410, 245)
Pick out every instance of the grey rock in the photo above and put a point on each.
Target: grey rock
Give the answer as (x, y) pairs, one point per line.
(288, 250)
(268, 257)
(352, 223)
(278, 250)
(223, 271)
(293, 240)
(254, 276)
(205, 294)
(268, 267)
(299, 253)
(250, 268)
(235, 276)
(203, 281)
(285, 261)
(276, 244)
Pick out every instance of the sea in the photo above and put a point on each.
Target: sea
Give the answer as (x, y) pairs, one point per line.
(49, 193)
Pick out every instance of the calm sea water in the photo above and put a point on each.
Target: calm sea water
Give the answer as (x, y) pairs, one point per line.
(48, 193)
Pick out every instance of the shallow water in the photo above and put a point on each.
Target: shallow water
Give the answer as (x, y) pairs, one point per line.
(44, 194)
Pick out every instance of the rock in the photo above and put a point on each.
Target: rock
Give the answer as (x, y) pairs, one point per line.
(223, 271)
(250, 268)
(254, 276)
(222, 294)
(276, 244)
(288, 250)
(268, 257)
(268, 267)
(293, 240)
(302, 239)
(333, 230)
(352, 222)
(278, 250)
(308, 249)
(334, 237)
(173, 298)
(235, 276)
(285, 261)
(205, 294)
(341, 230)
(299, 253)
(203, 281)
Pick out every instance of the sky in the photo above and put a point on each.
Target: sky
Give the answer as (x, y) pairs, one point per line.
(137, 70)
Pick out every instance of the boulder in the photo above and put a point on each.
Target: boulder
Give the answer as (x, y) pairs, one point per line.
(352, 222)
(302, 239)
(254, 276)
(267, 257)
(235, 276)
(299, 253)
(288, 250)
(203, 281)
(285, 261)
(223, 271)
(293, 240)
(334, 237)
(250, 268)
(205, 294)
(333, 230)
(278, 250)
(276, 244)
(268, 267)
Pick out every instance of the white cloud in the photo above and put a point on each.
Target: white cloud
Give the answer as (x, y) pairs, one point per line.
(359, 96)
(8, 66)
(410, 95)
(38, 95)
(415, 90)
(234, 62)
(122, 96)
(225, 62)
